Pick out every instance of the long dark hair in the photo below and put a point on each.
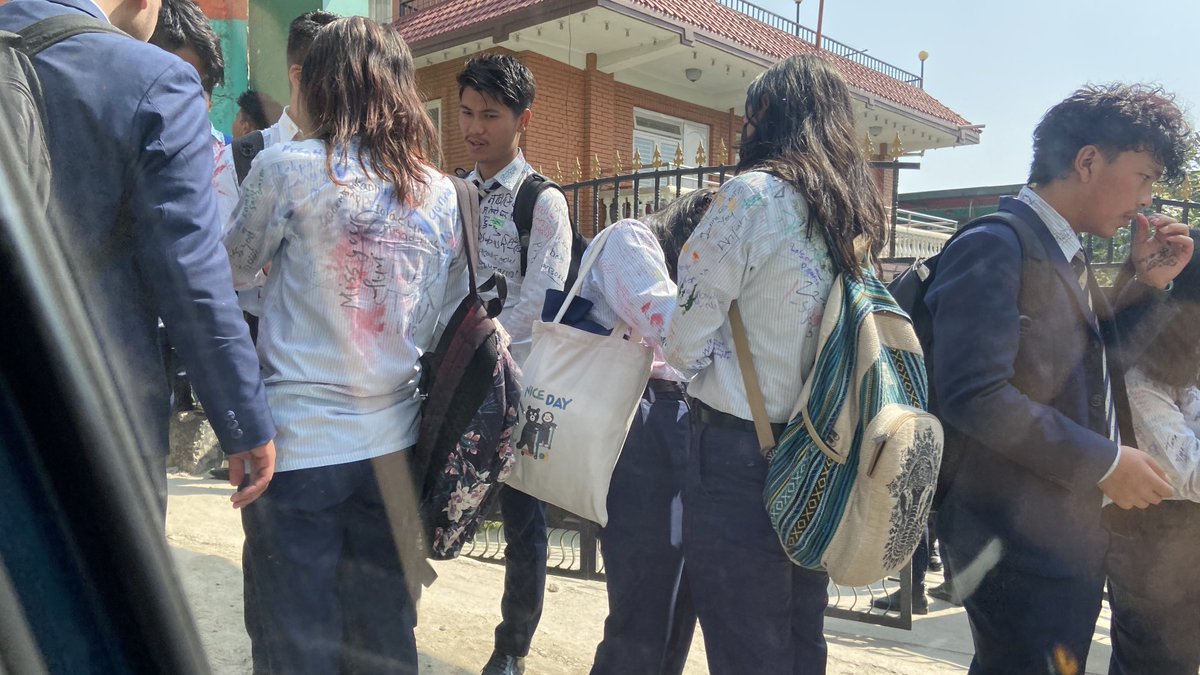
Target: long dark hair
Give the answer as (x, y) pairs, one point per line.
(1172, 357)
(804, 134)
(357, 82)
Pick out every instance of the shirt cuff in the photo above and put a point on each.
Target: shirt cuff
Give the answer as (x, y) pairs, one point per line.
(1112, 468)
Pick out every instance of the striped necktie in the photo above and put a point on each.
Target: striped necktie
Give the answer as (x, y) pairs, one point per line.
(1080, 267)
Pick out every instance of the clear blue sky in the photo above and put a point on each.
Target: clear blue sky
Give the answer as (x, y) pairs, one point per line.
(1002, 63)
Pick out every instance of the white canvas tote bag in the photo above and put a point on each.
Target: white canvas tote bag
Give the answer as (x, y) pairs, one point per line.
(579, 394)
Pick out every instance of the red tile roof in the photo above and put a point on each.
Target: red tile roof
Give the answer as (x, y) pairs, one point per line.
(707, 15)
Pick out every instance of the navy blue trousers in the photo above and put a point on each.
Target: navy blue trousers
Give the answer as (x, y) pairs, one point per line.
(524, 570)
(1155, 589)
(325, 591)
(759, 612)
(1026, 623)
(650, 616)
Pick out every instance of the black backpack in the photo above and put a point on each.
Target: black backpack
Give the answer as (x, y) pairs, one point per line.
(22, 107)
(527, 196)
(909, 290)
(245, 149)
(470, 392)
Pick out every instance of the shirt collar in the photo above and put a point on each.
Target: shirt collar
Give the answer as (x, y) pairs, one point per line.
(287, 128)
(92, 8)
(509, 177)
(1060, 229)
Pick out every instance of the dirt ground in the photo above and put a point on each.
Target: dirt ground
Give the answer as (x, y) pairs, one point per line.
(458, 613)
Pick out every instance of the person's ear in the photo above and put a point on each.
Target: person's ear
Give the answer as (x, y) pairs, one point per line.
(294, 71)
(523, 120)
(1085, 162)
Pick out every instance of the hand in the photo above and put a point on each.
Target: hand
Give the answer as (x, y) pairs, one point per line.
(1159, 258)
(1137, 482)
(261, 462)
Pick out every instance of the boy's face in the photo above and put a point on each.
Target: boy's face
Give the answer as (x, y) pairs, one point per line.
(1117, 189)
(490, 129)
(241, 125)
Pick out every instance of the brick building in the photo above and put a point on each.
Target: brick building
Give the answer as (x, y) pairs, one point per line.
(620, 77)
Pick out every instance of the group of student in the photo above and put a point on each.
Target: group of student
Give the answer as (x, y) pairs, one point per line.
(348, 237)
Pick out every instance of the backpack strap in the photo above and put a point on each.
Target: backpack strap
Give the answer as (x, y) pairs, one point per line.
(48, 32)
(754, 395)
(245, 149)
(1030, 299)
(468, 212)
(527, 197)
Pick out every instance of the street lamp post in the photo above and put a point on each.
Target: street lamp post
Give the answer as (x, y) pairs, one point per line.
(798, 2)
(922, 55)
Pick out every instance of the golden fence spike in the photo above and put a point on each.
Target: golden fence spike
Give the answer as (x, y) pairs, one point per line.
(678, 156)
(597, 171)
(578, 171)
(701, 157)
(637, 159)
(656, 160)
(618, 168)
(724, 152)
(868, 146)
(897, 148)
(558, 174)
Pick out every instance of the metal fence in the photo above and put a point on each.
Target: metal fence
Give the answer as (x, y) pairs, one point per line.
(573, 544)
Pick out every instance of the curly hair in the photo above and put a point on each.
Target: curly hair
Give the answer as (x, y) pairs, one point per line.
(1115, 118)
(804, 134)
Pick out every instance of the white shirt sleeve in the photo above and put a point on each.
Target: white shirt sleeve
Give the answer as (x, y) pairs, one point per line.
(225, 186)
(1166, 423)
(259, 221)
(548, 261)
(634, 280)
(713, 265)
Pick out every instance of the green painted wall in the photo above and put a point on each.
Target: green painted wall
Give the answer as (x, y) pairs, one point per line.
(233, 46)
(348, 7)
(269, 20)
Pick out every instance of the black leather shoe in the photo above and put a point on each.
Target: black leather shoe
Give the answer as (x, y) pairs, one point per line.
(891, 602)
(220, 473)
(935, 563)
(504, 664)
(946, 592)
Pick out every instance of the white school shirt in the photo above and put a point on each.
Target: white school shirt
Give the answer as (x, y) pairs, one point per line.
(284, 130)
(752, 246)
(549, 256)
(357, 285)
(1166, 422)
(630, 281)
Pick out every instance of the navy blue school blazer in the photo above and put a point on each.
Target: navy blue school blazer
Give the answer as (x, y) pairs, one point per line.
(1025, 396)
(129, 142)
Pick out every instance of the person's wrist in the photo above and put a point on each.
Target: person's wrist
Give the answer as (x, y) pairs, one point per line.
(1141, 279)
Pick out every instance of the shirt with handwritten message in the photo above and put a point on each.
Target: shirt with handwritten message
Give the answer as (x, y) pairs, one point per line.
(358, 283)
(500, 249)
(1166, 421)
(754, 245)
(630, 282)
